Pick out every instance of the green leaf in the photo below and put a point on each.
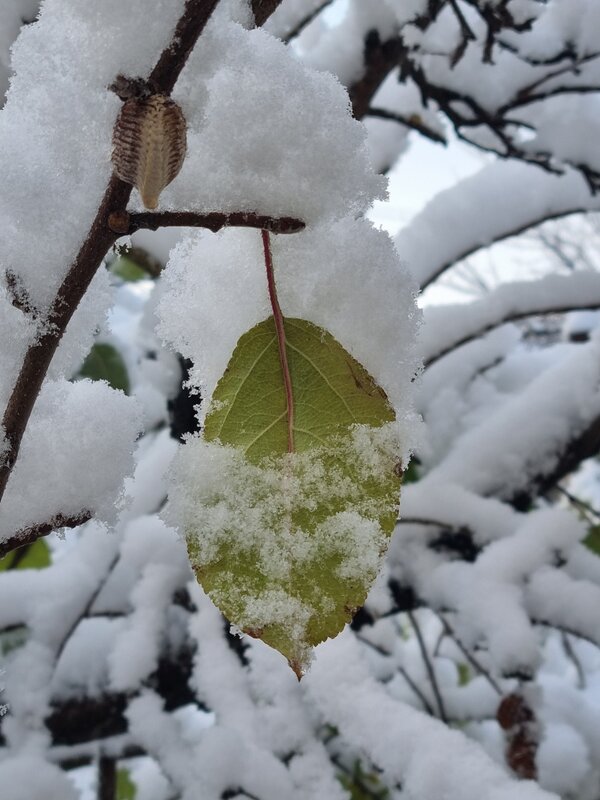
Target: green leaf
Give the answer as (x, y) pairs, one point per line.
(125, 786)
(288, 544)
(464, 674)
(128, 270)
(12, 639)
(592, 540)
(411, 473)
(363, 785)
(105, 363)
(33, 556)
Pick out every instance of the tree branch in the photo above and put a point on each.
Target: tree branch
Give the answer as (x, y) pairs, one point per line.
(581, 447)
(428, 666)
(380, 58)
(559, 308)
(174, 57)
(98, 240)
(214, 221)
(95, 246)
(30, 535)
(294, 32)
(414, 122)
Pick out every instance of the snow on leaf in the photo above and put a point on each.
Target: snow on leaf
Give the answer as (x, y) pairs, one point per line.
(287, 544)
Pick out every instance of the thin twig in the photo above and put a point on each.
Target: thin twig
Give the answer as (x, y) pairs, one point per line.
(578, 502)
(574, 659)
(86, 608)
(417, 691)
(214, 221)
(305, 22)
(262, 10)
(478, 666)
(428, 666)
(414, 121)
(35, 532)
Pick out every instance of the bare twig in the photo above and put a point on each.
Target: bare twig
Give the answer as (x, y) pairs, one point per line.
(428, 666)
(580, 504)
(86, 608)
(475, 663)
(35, 532)
(305, 21)
(574, 659)
(413, 121)
(107, 778)
(214, 221)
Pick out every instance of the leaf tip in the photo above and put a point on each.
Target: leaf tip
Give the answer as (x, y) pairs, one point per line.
(298, 668)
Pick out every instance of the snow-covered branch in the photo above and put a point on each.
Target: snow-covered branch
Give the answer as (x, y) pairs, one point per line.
(449, 327)
(469, 216)
(34, 532)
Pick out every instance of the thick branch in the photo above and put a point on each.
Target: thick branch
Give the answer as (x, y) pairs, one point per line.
(173, 58)
(380, 58)
(214, 221)
(294, 32)
(95, 246)
(35, 532)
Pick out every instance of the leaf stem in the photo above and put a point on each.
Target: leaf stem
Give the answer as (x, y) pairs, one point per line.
(280, 332)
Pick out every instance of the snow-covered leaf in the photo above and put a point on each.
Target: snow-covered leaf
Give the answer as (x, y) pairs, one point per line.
(291, 537)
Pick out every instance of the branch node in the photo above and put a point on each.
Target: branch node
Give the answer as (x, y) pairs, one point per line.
(118, 222)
